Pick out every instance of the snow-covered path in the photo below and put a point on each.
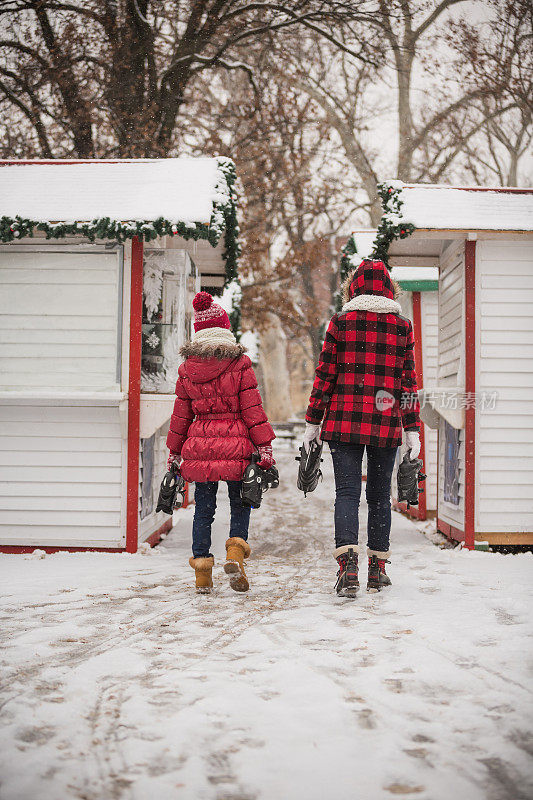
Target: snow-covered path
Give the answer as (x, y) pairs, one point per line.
(119, 682)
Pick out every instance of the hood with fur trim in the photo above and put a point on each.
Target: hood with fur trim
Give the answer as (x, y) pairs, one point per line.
(373, 303)
(212, 349)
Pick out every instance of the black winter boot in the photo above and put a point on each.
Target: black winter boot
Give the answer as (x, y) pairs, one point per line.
(377, 577)
(347, 580)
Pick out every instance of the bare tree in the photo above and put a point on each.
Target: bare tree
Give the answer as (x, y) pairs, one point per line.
(438, 116)
(502, 59)
(111, 77)
(292, 200)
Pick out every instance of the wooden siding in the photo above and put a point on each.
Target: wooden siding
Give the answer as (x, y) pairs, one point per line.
(450, 370)
(504, 365)
(59, 318)
(451, 288)
(61, 476)
(430, 345)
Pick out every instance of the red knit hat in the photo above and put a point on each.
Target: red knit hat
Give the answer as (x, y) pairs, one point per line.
(208, 314)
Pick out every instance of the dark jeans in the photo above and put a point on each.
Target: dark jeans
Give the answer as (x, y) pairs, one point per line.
(205, 498)
(347, 463)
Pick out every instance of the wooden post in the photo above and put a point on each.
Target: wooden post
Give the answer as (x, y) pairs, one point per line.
(470, 388)
(134, 395)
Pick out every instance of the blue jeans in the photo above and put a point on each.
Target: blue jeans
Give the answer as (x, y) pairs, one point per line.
(205, 498)
(347, 463)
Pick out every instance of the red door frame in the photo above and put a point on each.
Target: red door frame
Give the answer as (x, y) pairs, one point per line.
(134, 396)
(470, 389)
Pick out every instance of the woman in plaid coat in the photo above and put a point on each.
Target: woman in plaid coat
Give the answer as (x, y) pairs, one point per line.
(364, 393)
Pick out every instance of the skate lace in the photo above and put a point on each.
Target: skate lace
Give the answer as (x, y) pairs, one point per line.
(343, 562)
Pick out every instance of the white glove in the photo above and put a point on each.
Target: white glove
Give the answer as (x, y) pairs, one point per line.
(412, 442)
(311, 432)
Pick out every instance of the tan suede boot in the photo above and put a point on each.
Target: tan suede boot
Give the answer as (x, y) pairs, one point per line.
(236, 551)
(202, 568)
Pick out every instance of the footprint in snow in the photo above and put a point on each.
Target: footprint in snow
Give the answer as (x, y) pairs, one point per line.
(422, 738)
(36, 735)
(366, 719)
(404, 788)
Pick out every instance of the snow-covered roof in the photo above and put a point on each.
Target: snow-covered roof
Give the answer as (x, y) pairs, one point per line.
(193, 198)
(439, 207)
(177, 189)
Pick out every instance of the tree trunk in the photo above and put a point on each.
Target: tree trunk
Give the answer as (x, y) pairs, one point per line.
(405, 118)
(273, 360)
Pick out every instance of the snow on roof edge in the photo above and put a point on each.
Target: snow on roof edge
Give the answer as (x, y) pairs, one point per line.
(498, 189)
(221, 219)
(441, 207)
(184, 189)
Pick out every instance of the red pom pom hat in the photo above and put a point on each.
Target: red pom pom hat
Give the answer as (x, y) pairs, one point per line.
(208, 314)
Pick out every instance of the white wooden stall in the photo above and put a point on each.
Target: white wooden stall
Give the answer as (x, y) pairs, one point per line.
(479, 400)
(90, 333)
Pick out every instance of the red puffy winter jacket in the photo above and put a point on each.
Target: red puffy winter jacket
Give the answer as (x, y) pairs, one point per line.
(218, 418)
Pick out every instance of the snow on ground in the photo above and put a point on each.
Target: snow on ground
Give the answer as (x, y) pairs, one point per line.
(119, 682)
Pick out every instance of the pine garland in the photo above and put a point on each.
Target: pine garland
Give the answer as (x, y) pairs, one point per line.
(347, 264)
(223, 221)
(391, 226)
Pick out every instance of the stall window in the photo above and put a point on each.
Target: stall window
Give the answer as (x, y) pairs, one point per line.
(451, 464)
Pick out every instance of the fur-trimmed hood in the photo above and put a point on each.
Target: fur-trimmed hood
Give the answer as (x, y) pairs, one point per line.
(215, 349)
(213, 343)
(372, 302)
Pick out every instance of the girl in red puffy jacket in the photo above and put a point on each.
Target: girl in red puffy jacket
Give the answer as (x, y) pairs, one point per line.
(217, 423)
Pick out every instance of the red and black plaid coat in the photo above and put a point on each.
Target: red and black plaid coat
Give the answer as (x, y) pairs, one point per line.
(365, 384)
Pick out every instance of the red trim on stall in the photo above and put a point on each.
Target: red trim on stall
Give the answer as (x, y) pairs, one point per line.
(152, 540)
(155, 537)
(412, 511)
(450, 531)
(29, 548)
(64, 162)
(134, 396)
(419, 367)
(470, 388)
